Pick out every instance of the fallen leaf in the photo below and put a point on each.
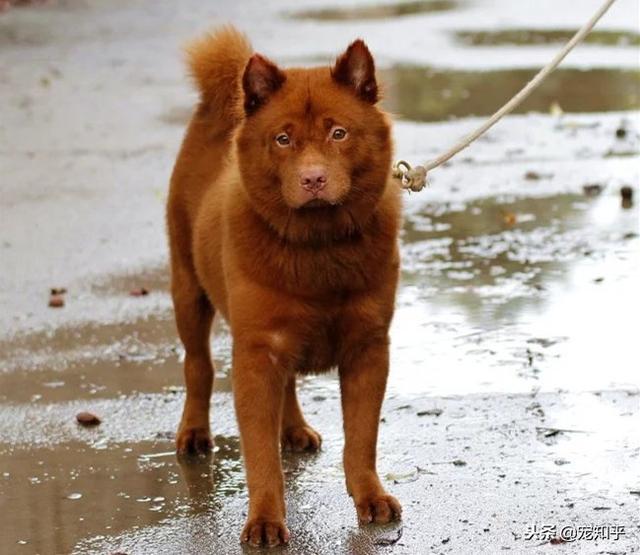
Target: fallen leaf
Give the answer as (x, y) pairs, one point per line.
(509, 218)
(555, 109)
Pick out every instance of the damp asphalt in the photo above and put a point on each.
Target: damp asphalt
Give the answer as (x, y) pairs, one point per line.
(513, 408)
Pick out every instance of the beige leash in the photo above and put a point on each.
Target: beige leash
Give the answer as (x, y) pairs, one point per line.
(415, 178)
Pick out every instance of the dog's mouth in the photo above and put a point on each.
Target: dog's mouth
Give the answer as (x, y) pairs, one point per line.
(317, 203)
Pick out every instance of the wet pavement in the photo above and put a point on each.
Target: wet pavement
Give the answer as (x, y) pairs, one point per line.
(514, 396)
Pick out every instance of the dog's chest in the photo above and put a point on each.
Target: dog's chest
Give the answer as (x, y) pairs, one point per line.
(318, 351)
(331, 271)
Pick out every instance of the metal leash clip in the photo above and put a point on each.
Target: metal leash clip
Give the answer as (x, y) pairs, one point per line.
(412, 179)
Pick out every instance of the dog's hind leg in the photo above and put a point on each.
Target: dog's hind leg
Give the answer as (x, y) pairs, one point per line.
(296, 433)
(194, 314)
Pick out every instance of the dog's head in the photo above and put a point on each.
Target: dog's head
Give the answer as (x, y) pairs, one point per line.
(314, 151)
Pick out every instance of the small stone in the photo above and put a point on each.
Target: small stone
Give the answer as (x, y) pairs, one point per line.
(74, 496)
(592, 189)
(535, 176)
(626, 192)
(56, 301)
(87, 419)
(621, 132)
(58, 290)
(429, 412)
(139, 292)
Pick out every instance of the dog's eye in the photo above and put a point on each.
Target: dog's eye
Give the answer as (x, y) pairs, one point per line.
(283, 139)
(338, 133)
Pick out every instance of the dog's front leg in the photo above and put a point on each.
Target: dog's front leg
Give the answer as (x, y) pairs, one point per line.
(258, 388)
(363, 379)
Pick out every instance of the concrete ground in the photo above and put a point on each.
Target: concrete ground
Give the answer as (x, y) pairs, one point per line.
(511, 423)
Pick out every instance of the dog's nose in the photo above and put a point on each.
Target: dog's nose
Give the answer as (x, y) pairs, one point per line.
(313, 179)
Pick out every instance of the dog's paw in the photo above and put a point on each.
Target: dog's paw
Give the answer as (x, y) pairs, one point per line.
(193, 441)
(265, 533)
(301, 438)
(380, 509)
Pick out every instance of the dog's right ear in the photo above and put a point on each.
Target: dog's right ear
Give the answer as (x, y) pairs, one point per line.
(260, 80)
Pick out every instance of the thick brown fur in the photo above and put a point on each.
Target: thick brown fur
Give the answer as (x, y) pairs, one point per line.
(283, 217)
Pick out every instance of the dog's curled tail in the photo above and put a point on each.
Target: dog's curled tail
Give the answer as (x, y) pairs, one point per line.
(216, 62)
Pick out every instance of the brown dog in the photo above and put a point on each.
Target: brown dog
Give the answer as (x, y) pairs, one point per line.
(283, 217)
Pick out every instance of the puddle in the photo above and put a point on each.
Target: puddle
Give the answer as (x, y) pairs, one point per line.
(140, 498)
(491, 262)
(427, 94)
(94, 362)
(29, 35)
(77, 491)
(488, 240)
(377, 11)
(521, 37)
(496, 284)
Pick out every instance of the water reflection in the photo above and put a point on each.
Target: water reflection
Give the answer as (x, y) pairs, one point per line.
(521, 37)
(428, 94)
(76, 491)
(376, 11)
(485, 243)
(211, 477)
(483, 290)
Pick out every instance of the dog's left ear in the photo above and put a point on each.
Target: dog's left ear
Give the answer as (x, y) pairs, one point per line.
(355, 69)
